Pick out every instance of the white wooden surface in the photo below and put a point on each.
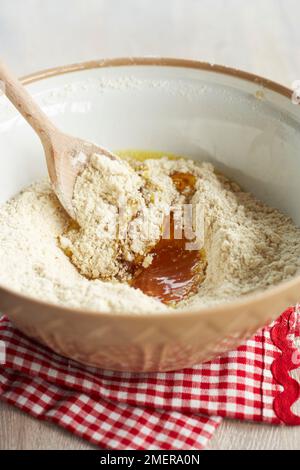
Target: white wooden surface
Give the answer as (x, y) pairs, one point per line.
(261, 36)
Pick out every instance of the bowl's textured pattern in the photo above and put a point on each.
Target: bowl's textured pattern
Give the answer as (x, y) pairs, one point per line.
(117, 347)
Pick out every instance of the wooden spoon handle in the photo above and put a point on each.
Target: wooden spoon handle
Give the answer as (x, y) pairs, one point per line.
(22, 100)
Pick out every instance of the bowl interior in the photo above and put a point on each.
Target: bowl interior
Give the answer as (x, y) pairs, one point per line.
(249, 132)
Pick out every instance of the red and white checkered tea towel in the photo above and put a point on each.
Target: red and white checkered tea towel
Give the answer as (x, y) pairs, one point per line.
(175, 410)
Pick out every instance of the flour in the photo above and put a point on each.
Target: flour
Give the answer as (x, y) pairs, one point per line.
(249, 246)
(32, 262)
(120, 212)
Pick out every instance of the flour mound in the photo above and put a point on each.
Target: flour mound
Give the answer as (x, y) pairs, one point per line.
(120, 212)
(249, 246)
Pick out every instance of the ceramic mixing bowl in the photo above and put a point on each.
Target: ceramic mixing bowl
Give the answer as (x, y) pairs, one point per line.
(245, 125)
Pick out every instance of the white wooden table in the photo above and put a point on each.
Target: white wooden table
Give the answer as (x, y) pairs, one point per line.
(261, 36)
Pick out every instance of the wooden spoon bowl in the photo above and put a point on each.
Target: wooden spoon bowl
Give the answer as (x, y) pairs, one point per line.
(66, 155)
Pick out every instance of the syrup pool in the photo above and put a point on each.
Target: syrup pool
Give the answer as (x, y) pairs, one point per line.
(175, 272)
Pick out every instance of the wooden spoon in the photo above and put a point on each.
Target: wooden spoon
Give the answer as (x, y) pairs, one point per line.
(66, 156)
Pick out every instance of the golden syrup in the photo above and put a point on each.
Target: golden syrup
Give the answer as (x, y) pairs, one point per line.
(184, 182)
(175, 272)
